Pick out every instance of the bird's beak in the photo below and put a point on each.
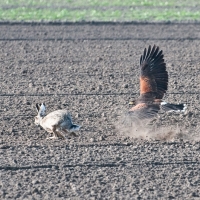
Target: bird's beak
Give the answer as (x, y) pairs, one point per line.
(131, 103)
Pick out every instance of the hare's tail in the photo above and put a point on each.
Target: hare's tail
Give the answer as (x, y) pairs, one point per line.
(74, 127)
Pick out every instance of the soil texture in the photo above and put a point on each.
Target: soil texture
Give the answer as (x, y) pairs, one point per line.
(92, 70)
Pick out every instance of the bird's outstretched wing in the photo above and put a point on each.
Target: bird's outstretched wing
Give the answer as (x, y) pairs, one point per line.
(144, 111)
(153, 84)
(154, 77)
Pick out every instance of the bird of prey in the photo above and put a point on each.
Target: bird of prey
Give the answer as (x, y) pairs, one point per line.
(153, 86)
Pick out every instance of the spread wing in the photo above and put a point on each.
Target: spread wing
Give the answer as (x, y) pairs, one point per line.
(154, 77)
(153, 84)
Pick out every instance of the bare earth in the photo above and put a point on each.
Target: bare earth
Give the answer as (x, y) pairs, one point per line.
(92, 70)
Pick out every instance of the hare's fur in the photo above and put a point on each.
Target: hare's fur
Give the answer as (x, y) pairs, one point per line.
(56, 122)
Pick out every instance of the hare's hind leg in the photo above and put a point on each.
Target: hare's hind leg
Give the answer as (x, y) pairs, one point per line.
(56, 133)
(60, 135)
(73, 134)
(70, 133)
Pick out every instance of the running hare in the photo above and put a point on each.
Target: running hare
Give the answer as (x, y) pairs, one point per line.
(56, 122)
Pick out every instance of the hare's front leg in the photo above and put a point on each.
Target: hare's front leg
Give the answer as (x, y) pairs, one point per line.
(53, 137)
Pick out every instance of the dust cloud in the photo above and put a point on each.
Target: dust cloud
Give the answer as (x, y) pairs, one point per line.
(164, 127)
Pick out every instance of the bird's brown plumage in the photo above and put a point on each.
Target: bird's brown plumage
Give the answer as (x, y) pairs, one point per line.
(153, 83)
(154, 77)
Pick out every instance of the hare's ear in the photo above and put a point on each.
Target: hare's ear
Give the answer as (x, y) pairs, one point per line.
(37, 107)
(42, 109)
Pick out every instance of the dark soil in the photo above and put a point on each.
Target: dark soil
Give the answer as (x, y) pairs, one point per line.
(92, 70)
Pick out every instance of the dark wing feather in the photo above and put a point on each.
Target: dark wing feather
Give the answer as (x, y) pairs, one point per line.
(154, 77)
(144, 111)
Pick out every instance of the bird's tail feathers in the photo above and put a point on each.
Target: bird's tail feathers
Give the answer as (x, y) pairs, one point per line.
(168, 107)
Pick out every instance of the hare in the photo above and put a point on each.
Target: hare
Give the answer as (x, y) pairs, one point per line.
(56, 122)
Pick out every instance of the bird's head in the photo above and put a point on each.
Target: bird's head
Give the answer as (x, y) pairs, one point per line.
(132, 103)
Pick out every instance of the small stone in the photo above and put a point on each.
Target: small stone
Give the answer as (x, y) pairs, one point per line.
(10, 130)
(92, 88)
(92, 140)
(126, 86)
(101, 138)
(24, 71)
(99, 87)
(100, 59)
(118, 158)
(194, 194)
(35, 181)
(92, 192)
(103, 114)
(77, 115)
(15, 161)
(35, 190)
